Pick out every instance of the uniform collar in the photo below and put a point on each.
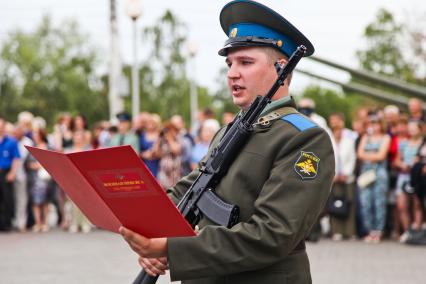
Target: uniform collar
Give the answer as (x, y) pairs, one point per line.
(287, 101)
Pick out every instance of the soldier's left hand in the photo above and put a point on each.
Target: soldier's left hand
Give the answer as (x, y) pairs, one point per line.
(145, 247)
(154, 266)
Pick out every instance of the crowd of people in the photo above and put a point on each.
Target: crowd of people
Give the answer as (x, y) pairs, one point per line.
(378, 191)
(379, 187)
(28, 193)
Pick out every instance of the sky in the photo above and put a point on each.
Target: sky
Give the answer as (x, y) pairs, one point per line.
(334, 27)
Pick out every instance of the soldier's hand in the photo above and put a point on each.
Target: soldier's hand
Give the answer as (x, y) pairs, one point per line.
(143, 246)
(154, 266)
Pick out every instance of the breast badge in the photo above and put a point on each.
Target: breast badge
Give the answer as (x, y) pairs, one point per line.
(307, 165)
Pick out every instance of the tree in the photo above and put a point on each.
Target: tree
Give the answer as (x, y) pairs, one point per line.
(165, 87)
(384, 53)
(48, 71)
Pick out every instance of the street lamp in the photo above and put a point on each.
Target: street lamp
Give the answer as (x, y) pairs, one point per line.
(192, 50)
(134, 10)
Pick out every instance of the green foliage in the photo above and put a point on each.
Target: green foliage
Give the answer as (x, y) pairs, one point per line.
(384, 53)
(164, 85)
(48, 71)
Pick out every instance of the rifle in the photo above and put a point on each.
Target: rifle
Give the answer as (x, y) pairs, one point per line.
(200, 198)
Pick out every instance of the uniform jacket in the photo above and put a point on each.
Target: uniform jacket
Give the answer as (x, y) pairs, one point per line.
(279, 201)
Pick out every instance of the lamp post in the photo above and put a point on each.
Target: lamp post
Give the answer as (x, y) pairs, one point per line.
(115, 101)
(134, 10)
(192, 50)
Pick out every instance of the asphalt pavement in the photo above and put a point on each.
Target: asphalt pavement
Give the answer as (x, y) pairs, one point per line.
(103, 257)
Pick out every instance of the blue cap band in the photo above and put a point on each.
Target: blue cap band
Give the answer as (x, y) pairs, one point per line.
(249, 29)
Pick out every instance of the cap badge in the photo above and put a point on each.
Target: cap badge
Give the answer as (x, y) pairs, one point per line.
(233, 33)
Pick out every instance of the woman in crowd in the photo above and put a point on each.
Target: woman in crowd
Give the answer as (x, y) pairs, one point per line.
(372, 152)
(404, 161)
(168, 148)
(78, 220)
(343, 186)
(79, 123)
(148, 138)
(207, 131)
(39, 182)
(62, 133)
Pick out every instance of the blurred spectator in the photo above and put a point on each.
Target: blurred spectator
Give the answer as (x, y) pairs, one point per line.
(404, 161)
(391, 116)
(62, 133)
(79, 123)
(372, 152)
(203, 115)
(38, 184)
(25, 120)
(307, 107)
(9, 163)
(343, 186)
(359, 128)
(148, 139)
(20, 184)
(415, 107)
(125, 135)
(363, 113)
(140, 122)
(39, 123)
(227, 117)
(78, 220)
(187, 143)
(418, 175)
(100, 135)
(207, 132)
(169, 148)
(398, 143)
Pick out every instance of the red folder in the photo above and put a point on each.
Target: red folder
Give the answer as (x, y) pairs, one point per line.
(113, 187)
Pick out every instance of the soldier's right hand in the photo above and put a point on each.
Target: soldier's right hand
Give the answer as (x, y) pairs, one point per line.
(154, 266)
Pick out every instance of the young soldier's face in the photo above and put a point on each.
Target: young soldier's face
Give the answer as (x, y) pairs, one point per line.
(250, 74)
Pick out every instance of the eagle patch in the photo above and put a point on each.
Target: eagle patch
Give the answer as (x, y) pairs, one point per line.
(307, 165)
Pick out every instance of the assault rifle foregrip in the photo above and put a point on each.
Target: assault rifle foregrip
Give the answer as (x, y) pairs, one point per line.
(217, 210)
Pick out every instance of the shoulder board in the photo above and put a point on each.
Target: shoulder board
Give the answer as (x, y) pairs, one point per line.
(299, 121)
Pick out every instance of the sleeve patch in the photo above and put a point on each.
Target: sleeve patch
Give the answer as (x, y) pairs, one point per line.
(299, 121)
(307, 165)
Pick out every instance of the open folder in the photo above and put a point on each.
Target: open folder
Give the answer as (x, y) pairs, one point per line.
(113, 187)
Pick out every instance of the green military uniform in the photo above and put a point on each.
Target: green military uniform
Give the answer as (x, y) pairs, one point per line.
(129, 138)
(281, 181)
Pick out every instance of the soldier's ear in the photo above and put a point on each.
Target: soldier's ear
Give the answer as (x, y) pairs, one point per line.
(282, 61)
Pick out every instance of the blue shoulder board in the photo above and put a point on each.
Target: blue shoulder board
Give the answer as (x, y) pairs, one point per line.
(299, 121)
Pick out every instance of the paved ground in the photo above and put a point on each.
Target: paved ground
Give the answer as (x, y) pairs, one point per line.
(101, 257)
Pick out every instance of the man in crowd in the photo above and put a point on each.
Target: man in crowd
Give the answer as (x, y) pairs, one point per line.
(9, 161)
(415, 107)
(125, 135)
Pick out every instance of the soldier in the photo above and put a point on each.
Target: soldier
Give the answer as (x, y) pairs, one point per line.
(280, 180)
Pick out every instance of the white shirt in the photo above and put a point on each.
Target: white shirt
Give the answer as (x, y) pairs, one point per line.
(20, 171)
(345, 155)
